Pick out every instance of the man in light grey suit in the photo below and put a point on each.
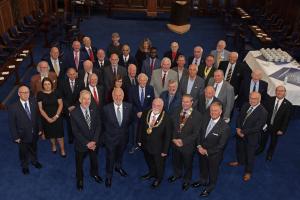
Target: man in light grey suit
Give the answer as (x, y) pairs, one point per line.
(224, 92)
(160, 77)
(220, 53)
(192, 84)
(180, 68)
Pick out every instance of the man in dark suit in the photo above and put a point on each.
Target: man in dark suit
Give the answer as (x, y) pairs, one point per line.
(101, 61)
(84, 74)
(130, 80)
(88, 49)
(141, 97)
(180, 68)
(173, 53)
(76, 57)
(70, 89)
(118, 116)
(25, 127)
(110, 72)
(171, 97)
(197, 58)
(186, 122)
(154, 138)
(206, 100)
(250, 85)
(97, 92)
(233, 71)
(86, 126)
(213, 137)
(250, 123)
(56, 64)
(207, 70)
(151, 63)
(279, 114)
(192, 84)
(126, 59)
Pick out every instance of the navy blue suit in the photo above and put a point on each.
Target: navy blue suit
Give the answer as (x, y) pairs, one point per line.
(115, 136)
(175, 103)
(26, 129)
(70, 60)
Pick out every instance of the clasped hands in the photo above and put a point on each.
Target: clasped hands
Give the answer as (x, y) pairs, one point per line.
(178, 142)
(91, 145)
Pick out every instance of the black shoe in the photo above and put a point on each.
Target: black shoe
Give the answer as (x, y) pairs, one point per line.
(197, 184)
(63, 155)
(97, 179)
(204, 193)
(269, 158)
(121, 172)
(54, 151)
(173, 178)
(147, 176)
(185, 186)
(25, 171)
(108, 182)
(37, 165)
(155, 184)
(80, 185)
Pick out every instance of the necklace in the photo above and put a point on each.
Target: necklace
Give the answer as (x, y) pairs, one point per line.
(150, 126)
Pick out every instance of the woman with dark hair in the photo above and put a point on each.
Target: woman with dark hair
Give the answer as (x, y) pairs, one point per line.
(118, 83)
(50, 106)
(142, 53)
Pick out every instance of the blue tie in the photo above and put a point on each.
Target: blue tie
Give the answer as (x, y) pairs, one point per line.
(142, 97)
(27, 110)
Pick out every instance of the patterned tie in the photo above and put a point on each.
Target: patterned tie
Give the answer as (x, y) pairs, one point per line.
(142, 97)
(248, 113)
(55, 67)
(119, 118)
(274, 112)
(87, 118)
(228, 77)
(95, 96)
(27, 110)
(76, 60)
(91, 54)
(163, 80)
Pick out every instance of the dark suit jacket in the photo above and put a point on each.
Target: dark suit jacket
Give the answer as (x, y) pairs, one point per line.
(62, 65)
(21, 127)
(169, 55)
(282, 116)
(70, 98)
(94, 50)
(97, 65)
(254, 123)
(245, 88)
(197, 89)
(131, 60)
(82, 134)
(202, 61)
(134, 99)
(113, 132)
(127, 82)
(159, 140)
(36, 83)
(216, 139)
(236, 77)
(175, 103)
(70, 62)
(108, 76)
(189, 132)
(201, 70)
(146, 69)
(100, 97)
(81, 74)
(201, 105)
(185, 73)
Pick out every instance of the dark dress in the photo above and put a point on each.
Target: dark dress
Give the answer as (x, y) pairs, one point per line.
(140, 56)
(50, 106)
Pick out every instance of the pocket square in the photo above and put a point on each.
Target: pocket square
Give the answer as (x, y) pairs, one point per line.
(148, 96)
(215, 134)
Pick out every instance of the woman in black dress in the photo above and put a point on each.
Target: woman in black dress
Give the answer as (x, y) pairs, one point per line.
(50, 106)
(142, 53)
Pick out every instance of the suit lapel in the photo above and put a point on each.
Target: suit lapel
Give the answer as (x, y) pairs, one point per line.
(81, 115)
(23, 110)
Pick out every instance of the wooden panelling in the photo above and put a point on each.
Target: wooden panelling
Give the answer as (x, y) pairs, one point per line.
(6, 17)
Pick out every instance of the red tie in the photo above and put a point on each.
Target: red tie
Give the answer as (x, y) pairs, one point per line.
(91, 55)
(76, 60)
(96, 96)
(152, 64)
(173, 55)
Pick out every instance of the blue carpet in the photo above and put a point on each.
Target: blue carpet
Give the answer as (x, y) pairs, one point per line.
(279, 179)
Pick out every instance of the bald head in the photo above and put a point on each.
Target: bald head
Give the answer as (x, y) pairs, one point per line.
(254, 98)
(280, 92)
(54, 53)
(87, 66)
(118, 96)
(256, 75)
(233, 57)
(132, 70)
(218, 76)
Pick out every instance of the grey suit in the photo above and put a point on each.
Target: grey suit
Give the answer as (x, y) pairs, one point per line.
(225, 56)
(146, 68)
(184, 73)
(226, 96)
(156, 80)
(197, 89)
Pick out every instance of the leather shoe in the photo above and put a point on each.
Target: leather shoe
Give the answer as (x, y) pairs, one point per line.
(25, 171)
(247, 177)
(108, 182)
(80, 185)
(97, 179)
(173, 178)
(147, 176)
(204, 193)
(185, 186)
(37, 165)
(269, 158)
(155, 184)
(121, 172)
(234, 164)
(197, 184)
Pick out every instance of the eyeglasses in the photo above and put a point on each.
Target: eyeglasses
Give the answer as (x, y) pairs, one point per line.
(27, 92)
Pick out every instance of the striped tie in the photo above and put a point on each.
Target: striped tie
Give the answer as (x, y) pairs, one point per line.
(229, 74)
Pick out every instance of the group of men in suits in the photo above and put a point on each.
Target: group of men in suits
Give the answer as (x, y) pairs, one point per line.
(169, 107)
